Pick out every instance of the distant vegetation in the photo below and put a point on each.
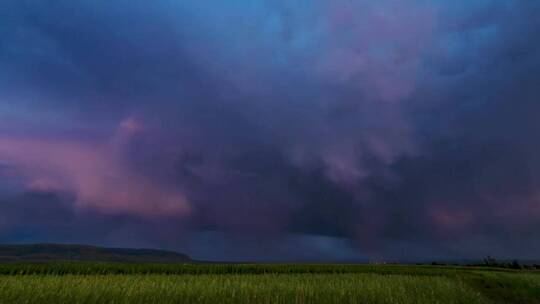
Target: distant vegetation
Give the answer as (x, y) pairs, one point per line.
(60, 252)
(491, 262)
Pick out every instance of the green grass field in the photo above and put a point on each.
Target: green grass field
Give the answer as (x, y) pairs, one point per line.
(232, 283)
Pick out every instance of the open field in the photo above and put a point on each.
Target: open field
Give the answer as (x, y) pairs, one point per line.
(233, 283)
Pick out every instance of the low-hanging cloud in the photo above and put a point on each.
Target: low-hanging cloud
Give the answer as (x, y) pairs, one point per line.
(95, 172)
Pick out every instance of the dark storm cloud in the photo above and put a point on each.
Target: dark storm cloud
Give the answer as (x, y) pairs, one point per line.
(382, 129)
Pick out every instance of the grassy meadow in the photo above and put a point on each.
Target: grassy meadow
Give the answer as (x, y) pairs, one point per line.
(250, 283)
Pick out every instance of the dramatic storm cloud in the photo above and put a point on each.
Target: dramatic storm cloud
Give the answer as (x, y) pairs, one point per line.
(271, 130)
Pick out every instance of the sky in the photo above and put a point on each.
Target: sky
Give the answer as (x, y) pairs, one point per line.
(261, 130)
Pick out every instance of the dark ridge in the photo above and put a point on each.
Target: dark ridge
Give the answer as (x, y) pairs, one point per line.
(62, 252)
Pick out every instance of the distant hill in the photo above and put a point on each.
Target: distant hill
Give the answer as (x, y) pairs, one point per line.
(60, 252)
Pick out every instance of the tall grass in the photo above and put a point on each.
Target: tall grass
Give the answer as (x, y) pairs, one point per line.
(270, 288)
(87, 282)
